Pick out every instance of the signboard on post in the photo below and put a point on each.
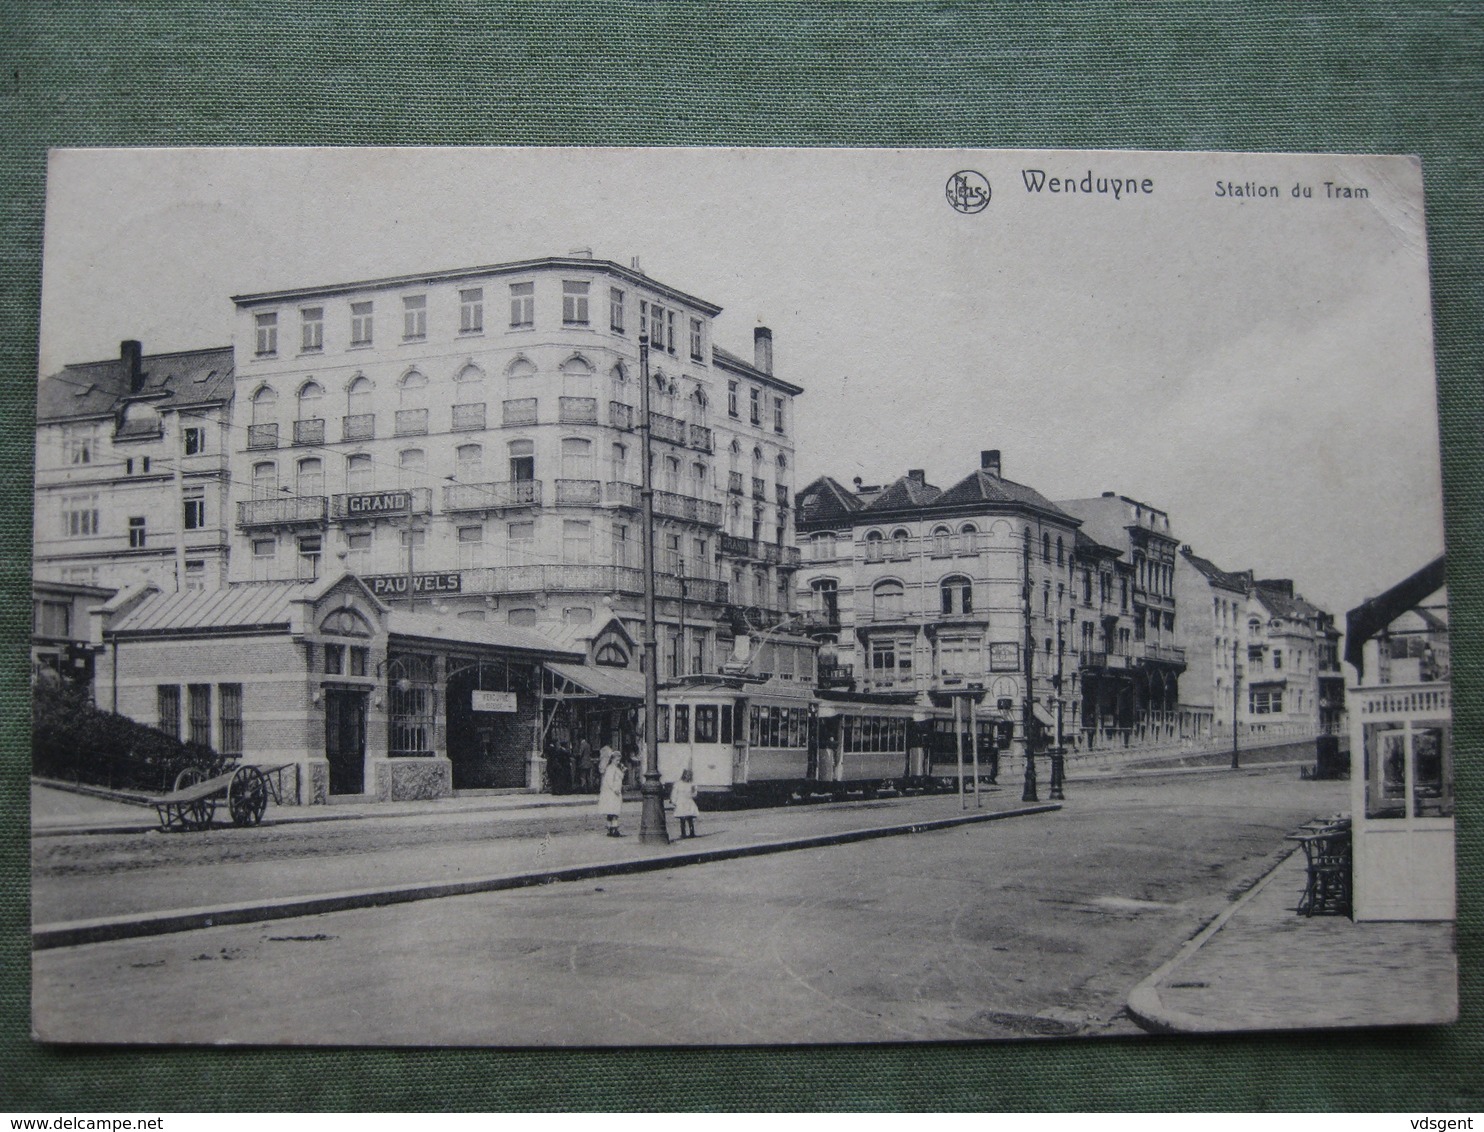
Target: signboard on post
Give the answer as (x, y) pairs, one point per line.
(492, 701)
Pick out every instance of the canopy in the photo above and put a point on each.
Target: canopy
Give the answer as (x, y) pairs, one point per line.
(618, 683)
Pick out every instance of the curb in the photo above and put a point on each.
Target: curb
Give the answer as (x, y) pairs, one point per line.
(1148, 1009)
(320, 815)
(75, 933)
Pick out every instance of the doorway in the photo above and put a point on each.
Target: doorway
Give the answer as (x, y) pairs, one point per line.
(345, 739)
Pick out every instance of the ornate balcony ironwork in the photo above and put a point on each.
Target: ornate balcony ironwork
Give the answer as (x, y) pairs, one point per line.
(358, 426)
(577, 410)
(469, 418)
(262, 436)
(578, 493)
(621, 415)
(501, 495)
(521, 411)
(309, 431)
(282, 511)
(411, 422)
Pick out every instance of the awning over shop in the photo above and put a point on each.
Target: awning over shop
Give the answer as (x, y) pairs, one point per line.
(1043, 715)
(617, 683)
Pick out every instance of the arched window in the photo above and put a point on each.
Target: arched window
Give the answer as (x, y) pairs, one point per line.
(521, 367)
(611, 655)
(311, 394)
(1046, 549)
(310, 477)
(698, 406)
(522, 460)
(899, 543)
(958, 594)
(358, 473)
(264, 406)
(358, 397)
(1061, 551)
(265, 480)
(345, 623)
(823, 546)
(469, 463)
(942, 542)
(577, 458)
(886, 600)
(875, 546)
(412, 465)
(968, 539)
(577, 377)
(413, 390)
(618, 375)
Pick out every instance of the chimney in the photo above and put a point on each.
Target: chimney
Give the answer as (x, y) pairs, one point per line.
(762, 349)
(917, 476)
(131, 353)
(989, 461)
(634, 265)
(858, 482)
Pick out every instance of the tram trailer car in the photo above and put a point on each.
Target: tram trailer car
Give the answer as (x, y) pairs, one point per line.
(748, 743)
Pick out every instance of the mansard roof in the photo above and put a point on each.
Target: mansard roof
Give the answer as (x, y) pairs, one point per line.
(982, 486)
(1284, 603)
(905, 494)
(825, 500)
(182, 380)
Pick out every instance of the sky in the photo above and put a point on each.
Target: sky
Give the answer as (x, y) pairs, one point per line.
(1259, 366)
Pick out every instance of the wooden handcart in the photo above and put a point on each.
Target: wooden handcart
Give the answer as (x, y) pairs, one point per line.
(245, 789)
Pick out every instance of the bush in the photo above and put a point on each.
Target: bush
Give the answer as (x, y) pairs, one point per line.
(74, 741)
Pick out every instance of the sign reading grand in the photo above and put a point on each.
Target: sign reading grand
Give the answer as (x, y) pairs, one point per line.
(493, 701)
(395, 585)
(378, 503)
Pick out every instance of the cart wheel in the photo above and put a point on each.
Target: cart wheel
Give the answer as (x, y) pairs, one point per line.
(198, 815)
(247, 796)
(189, 777)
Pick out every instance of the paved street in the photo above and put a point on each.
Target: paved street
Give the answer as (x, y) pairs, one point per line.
(1037, 925)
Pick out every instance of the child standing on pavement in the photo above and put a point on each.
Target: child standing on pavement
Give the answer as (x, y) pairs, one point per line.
(683, 794)
(610, 791)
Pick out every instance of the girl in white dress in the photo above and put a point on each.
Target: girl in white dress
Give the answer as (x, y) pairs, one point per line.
(683, 794)
(610, 791)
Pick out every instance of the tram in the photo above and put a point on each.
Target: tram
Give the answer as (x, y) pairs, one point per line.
(779, 743)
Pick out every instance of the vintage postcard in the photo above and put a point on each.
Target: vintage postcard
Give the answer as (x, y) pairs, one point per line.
(547, 597)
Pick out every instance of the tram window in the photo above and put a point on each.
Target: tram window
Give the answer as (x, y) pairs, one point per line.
(754, 728)
(705, 723)
(726, 723)
(682, 723)
(662, 724)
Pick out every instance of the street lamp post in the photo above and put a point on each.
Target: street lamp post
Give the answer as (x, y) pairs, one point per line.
(652, 817)
(1028, 794)
(1236, 701)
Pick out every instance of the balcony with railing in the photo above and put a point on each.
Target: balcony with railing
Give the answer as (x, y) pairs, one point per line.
(578, 493)
(310, 431)
(621, 415)
(662, 427)
(734, 483)
(586, 578)
(262, 436)
(469, 418)
(358, 426)
(1402, 701)
(382, 504)
(759, 488)
(411, 422)
(1164, 654)
(577, 410)
(282, 511)
(700, 438)
(521, 411)
(502, 495)
(784, 496)
(668, 504)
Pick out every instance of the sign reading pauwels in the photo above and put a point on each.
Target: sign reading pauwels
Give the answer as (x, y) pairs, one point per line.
(395, 585)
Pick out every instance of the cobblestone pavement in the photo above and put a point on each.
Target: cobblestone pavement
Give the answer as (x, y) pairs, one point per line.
(1267, 968)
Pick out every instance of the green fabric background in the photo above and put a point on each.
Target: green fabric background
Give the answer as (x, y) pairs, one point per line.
(1404, 78)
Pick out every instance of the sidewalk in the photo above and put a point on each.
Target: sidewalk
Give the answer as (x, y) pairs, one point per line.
(1260, 966)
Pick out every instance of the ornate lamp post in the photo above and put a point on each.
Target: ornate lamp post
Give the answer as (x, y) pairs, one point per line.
(652, 818)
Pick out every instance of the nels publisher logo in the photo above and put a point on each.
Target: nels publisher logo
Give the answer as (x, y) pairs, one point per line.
(967, 191)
